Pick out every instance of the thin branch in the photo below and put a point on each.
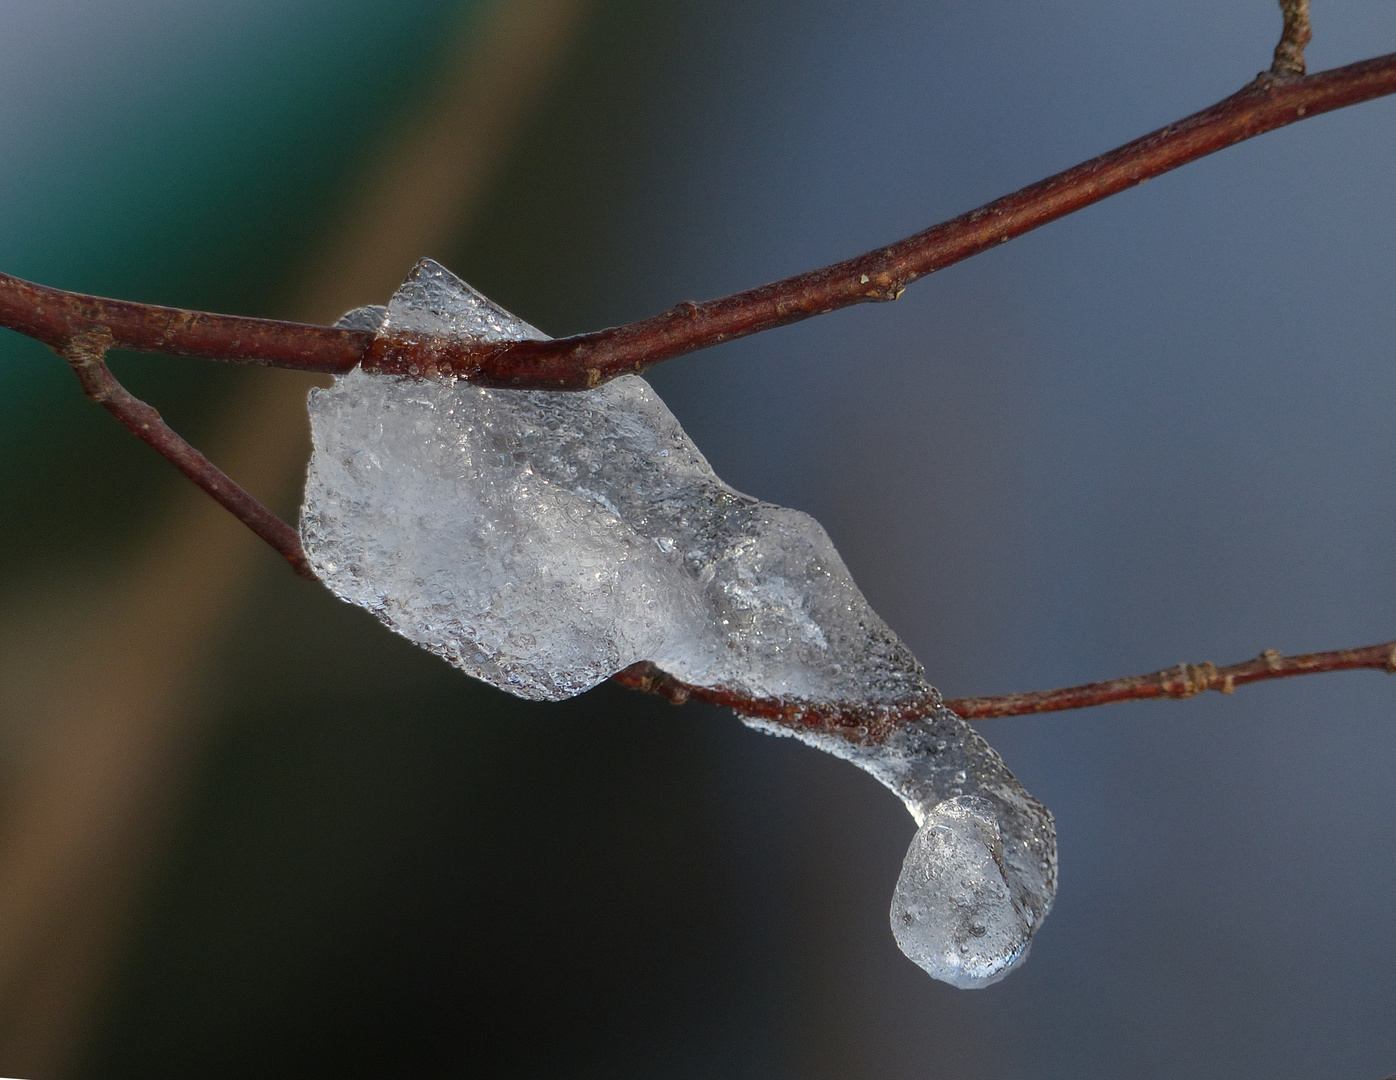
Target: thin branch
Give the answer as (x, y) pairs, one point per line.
(1289, 53)
(82, 328)
(589, 359)
(862, 723)
(857, 722)
(86, 352)
(54, 316)
(1183, 681)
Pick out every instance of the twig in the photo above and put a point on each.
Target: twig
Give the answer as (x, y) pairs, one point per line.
(873, 723)
(589, 359)
(86, 353)
(54, 316)
(82, 328)
(1289, 53)
(857, 722)
(1183, 681)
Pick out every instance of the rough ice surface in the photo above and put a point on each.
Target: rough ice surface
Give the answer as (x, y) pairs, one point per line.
(542, 541)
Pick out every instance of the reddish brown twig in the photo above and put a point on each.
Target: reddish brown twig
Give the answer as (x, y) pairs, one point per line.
(589, 359)
(54, 316)
(857, 722)
(1183, 681)
(83, 327)
(86, 352)
(872, 724)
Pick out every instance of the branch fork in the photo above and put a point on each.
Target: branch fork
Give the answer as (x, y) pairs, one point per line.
(86, 352)
(82, 329)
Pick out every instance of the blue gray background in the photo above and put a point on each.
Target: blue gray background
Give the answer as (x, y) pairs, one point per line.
(1159, 430)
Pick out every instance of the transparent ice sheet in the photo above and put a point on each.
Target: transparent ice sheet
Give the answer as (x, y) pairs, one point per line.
(542, 541)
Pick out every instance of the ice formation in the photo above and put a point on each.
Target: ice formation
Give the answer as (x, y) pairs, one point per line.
(981, 871)
(542, 541)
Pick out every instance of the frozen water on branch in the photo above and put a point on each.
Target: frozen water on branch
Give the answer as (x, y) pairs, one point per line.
(981, 871)
(542, 541)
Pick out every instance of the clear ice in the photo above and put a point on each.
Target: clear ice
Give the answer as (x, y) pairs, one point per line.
(542, 541)
(981, 871)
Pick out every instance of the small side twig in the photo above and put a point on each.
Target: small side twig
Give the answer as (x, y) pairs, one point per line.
(86, 354)
(1289, 53)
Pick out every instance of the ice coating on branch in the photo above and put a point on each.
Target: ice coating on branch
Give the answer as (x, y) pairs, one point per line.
(542, 541)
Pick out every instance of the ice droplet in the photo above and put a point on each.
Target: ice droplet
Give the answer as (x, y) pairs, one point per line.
(542, 541)
(960, 922)
(981, 872)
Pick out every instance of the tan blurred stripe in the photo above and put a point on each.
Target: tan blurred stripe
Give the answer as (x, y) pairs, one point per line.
(110, 694)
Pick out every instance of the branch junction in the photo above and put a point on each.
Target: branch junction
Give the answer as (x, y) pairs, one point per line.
(83, 328)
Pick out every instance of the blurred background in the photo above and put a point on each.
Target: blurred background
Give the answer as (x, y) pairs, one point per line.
(244, 829)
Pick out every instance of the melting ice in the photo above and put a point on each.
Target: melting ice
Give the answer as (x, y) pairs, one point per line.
(542, 541)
